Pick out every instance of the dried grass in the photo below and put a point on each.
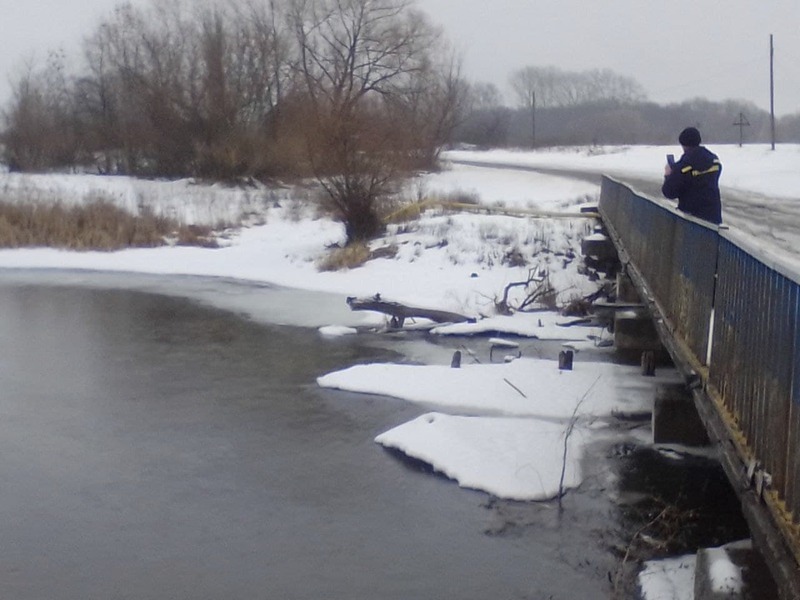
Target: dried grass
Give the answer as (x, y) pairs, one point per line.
(351, 256)
(96, 226)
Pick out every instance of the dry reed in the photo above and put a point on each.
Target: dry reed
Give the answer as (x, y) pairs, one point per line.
(96, 226)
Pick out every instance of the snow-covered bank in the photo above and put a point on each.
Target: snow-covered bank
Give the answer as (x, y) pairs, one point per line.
(185, 200)
(454, 262)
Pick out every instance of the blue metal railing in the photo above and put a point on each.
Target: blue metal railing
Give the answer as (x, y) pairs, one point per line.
(676, 257)
(754, 366)
(703, 278)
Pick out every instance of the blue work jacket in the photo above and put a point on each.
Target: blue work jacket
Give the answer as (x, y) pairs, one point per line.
(694, 181)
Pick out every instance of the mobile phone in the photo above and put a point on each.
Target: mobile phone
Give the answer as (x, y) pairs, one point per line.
(670, 159)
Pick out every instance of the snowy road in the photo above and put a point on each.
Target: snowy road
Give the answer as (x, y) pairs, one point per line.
(774, 222)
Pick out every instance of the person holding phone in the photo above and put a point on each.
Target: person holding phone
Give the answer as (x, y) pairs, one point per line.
(694, 179)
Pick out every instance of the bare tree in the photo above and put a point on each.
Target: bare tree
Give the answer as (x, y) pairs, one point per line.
(111, 95)
(100, 98)
(263, 65)
(599, 85)
(25, 133)
(554, 87)
(433, 104)
(356, 57)
(145, 61)
(40, 132)
(484, 96)
(266, 61)
(485, 120)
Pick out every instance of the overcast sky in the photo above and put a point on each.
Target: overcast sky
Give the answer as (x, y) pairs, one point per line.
(676, 49)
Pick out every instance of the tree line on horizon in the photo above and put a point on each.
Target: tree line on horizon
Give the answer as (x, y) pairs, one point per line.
(552, 107)
(615, 123)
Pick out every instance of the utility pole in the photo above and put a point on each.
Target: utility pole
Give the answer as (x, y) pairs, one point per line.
(772, 88)
(741, 124)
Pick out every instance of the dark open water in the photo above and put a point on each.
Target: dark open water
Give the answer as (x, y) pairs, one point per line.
(154, 448)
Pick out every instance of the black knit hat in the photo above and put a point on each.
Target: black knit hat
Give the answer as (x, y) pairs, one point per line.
(689, 137)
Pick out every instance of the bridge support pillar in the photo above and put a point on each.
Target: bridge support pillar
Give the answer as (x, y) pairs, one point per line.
(635, 331)
(675, 418)
(600, 247)
(626, 291)
(633, 328)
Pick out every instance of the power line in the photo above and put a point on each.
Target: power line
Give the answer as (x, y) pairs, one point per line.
(772, 88)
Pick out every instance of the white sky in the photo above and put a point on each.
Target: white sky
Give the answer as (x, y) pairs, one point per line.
(676, 50)
(726, 43)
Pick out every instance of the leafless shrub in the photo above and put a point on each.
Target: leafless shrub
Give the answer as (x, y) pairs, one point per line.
(567, 435)
(349, 257)
(659, 536)
(196, 235)
(461, 197)
(514, 257)
(538, 294)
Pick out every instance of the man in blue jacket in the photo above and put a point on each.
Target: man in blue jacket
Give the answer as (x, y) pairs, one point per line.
(694, 179)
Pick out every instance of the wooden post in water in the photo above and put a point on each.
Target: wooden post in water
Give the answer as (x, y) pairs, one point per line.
(648, 363)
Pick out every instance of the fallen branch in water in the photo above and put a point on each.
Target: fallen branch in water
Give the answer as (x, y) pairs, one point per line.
(400, 312)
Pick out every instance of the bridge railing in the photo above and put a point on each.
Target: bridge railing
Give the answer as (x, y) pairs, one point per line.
(676, 257)
(734, 310)
(754, 367)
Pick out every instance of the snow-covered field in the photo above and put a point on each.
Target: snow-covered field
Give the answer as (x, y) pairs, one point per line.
(501, 428)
